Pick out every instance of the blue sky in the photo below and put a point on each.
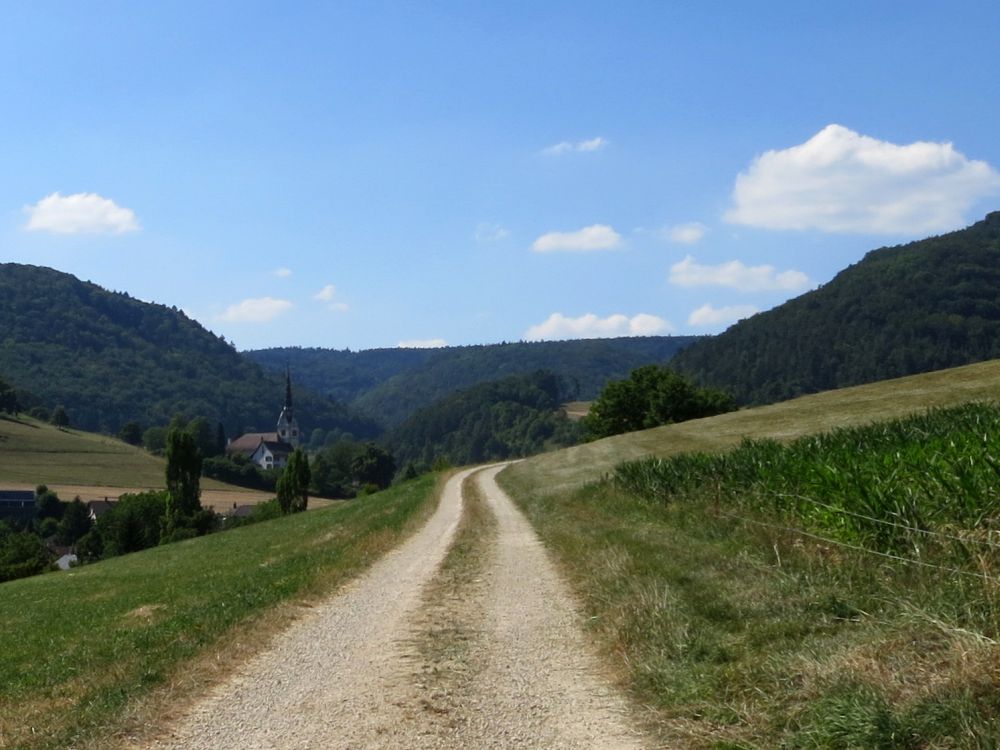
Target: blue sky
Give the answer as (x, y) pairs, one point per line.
(369, 174)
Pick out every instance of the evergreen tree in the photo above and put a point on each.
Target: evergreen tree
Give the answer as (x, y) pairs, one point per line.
(293, 484)
(183, 483)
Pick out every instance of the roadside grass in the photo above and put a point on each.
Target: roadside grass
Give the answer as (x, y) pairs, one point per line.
(90, 657)
(740, 632)
(735, 636)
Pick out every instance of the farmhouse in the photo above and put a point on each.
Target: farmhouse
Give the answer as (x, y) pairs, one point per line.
(270, 450)
(17, 505)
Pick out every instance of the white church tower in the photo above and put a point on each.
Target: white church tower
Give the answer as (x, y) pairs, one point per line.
(288, 427)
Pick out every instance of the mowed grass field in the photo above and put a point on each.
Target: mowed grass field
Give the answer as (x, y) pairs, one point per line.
(733, 630)
(94, 467)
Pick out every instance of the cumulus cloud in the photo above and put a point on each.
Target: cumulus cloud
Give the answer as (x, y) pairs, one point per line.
(594, 237)
(589, 326)
(707, 316)
(422, 344)
(486, 232)
(256, 310)
(842, 181)
(736, 275)
(565, 147)
(327, 294)
(80, 213)
(686, 234)
(282, 273)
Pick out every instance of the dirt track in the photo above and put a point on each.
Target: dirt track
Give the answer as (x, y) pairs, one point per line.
(351, 674)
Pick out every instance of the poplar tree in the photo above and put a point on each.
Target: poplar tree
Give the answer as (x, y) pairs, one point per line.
(183, 482)
(293, 484)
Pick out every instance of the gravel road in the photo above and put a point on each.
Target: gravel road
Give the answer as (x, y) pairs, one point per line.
(349, 675)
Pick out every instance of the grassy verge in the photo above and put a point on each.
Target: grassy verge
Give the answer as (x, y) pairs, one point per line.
(737, 634)
(87, 657)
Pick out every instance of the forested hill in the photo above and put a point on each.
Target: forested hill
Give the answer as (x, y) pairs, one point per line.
(109, 358)
(392, 384)
(901, 310)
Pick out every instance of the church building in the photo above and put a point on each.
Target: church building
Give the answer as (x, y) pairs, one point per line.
(270, 450)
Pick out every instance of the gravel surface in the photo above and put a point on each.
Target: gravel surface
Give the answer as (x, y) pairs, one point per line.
(349, 675)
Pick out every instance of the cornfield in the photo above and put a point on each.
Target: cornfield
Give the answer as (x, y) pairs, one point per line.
(926, 487)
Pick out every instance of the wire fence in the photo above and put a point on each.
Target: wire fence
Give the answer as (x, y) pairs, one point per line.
(860, 548)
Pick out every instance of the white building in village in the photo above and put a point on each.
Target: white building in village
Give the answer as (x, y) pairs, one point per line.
(270, 450)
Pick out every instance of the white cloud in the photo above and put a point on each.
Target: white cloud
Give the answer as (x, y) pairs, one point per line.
(256, 310)
(80, 213)
(589, 326)
(565, 147)
(486, 232)
(686, 234)
(326, 293)
(282, 273)
(707, 316)
(841, 181)
(594, 237)
(422, 344)
(594, 144)
(736, 275)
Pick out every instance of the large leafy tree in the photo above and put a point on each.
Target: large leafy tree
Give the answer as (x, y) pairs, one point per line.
(649, 397)
(374, 465)
(293, 484)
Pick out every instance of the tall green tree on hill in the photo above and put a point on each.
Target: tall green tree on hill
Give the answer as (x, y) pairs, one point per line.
(8, 398)
(183, 485)
(293, 484)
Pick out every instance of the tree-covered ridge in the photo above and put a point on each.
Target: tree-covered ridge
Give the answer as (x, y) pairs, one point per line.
(110, 359)
(513, 417)
(340, 374)
(392, 384)
(902, 310)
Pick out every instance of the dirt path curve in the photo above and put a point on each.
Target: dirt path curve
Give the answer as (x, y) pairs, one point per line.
(348, 675)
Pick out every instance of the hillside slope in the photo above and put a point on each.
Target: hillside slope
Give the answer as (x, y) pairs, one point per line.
(574, 467)
(390, 385)
(901, 310)
(109, 358)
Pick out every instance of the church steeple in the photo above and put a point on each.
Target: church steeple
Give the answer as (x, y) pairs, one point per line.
(288, 427)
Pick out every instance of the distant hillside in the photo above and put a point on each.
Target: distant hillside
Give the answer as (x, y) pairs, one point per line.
(391, 385)
(901, 310)
(341, 374)
(513, 417)
(109, 359)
